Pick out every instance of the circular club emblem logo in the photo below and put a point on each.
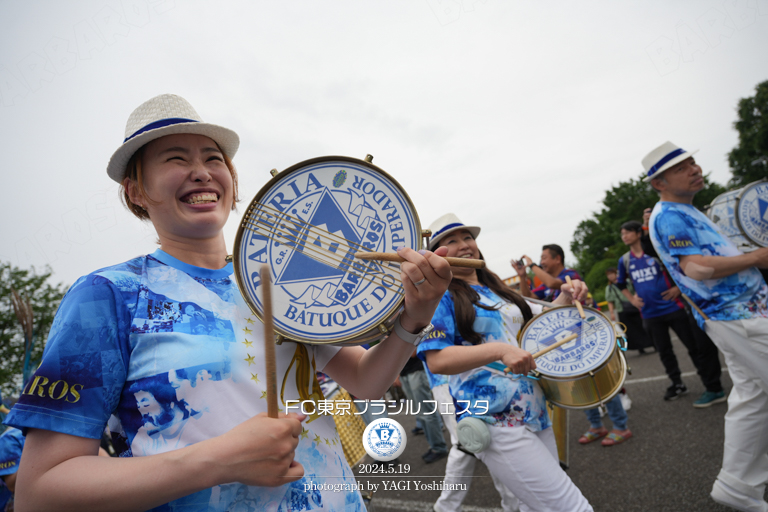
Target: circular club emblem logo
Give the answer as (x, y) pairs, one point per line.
(594, 345)
(384, 439)
(308, 226)
(753, 213)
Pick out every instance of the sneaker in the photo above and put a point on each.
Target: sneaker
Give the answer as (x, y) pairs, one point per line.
(626, 402)
(675, 391)
(710, 398)
(417, 431)
(725, 495)
(433, 456)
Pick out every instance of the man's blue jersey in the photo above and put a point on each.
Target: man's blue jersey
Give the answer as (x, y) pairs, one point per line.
(649, 281)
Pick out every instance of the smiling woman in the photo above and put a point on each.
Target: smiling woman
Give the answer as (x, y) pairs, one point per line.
(187, 189)
(164, 349)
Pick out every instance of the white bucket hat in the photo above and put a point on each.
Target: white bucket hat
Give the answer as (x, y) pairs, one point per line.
(446, 225)
(662, 158)
(163, 115)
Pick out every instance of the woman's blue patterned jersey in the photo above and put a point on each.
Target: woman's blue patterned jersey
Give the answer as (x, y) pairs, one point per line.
(169, 355)
(485, 392)
(680, 229)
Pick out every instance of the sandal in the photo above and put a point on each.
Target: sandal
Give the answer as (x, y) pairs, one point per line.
(616, 438)
(592, 435)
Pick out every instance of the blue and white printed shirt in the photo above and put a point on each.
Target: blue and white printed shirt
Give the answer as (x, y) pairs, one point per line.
(680, 229)
(169, 355)
(485, 392)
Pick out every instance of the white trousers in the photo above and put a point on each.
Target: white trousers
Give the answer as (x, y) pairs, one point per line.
(744, 343)
(527, 464)
(461, 466)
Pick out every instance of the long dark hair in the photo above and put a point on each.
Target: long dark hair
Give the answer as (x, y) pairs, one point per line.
(465, 298)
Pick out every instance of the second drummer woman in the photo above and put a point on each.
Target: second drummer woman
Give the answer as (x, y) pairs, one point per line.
(476, 324)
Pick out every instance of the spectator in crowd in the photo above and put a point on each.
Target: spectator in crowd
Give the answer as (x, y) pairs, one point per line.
(551, 272)
(618, 415)
(415, 384)
(621, 310)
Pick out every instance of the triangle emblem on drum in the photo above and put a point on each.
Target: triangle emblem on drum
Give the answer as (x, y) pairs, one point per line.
(565, 332)
(763, 206)
(324, 245)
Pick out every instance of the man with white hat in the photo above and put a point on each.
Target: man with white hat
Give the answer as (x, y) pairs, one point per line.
(731, 299)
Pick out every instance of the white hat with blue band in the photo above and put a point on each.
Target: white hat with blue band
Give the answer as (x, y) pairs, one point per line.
(446, 225)
(662, 158)
(163, 115)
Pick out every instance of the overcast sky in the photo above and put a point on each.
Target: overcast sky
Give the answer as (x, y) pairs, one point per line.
(516, 115)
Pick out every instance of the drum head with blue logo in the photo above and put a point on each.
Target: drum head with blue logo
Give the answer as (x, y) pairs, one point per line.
(722, 212)
(306, 224)
(594, 345)
(752, 212)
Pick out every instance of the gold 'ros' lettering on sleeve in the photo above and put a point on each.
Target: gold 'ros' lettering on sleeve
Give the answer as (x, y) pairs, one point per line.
(57, 390)
(680, 243)
(9, 464)
(435, 334)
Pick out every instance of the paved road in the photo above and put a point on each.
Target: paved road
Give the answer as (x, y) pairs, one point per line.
(669, 465)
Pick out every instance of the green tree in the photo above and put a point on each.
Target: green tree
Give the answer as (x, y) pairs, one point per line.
(597, 241)
(44, 298)
(749, 160)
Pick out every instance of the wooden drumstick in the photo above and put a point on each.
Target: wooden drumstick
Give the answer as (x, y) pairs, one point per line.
(269, 341)
(575, 301)
(555, 345)
(391, 256)
(550, 348)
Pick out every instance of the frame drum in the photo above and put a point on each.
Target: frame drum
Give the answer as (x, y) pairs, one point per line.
(742, 215)
(307, 223)
(581, 374)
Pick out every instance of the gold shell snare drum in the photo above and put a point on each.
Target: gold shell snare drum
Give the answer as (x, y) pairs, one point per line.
(581, 374)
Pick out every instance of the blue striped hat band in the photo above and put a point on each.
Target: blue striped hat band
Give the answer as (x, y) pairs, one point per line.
(669, 156)
(159, 124)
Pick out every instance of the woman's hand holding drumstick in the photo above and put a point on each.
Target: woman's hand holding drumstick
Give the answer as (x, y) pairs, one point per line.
(391, 256)
(575, 300)
(550, 348)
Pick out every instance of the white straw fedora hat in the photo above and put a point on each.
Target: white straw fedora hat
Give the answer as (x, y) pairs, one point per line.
(446, 225)
(662, 158)
(163, 115)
